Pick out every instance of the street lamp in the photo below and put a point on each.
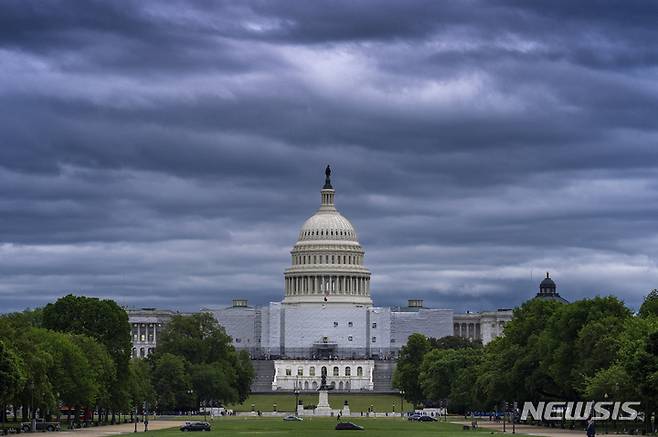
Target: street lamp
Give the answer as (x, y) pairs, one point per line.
(34, 419)
(605, 423)
(401, 403)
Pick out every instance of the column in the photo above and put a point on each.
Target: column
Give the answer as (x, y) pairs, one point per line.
(155, 330)
(139, 332)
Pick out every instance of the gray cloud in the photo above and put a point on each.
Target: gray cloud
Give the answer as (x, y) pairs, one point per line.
(165, 154)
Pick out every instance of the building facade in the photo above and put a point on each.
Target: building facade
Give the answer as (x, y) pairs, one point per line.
(327, 321)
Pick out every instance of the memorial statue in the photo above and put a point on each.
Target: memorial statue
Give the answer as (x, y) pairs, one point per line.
(327, 180)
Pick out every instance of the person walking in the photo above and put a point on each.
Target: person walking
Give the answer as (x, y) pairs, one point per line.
(591, 428)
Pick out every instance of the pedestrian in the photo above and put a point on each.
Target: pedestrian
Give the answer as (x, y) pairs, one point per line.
(591, 428)
(146, 425)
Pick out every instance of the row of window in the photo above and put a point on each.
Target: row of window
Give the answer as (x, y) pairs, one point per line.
(327, 259)
(350, 324)
(335, 371)
(328, 233)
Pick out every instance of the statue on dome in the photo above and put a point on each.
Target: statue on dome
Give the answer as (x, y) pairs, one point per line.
(327, 181)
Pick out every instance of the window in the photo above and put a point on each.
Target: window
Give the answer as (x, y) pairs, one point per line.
(392, 340)
(348, 371)
(237, 340)
(336, 371)
(374, 339)
(300, 371)
(324, 370)
(335, 324)
(359, 371)
(350, 324)
(311, 371)
(142, 337)
(349, 338)
(374, 325)
(288, 372)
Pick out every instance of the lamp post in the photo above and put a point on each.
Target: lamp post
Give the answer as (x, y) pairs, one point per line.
(605, 423)
(34, 419)
(401, 403)
(296, 391)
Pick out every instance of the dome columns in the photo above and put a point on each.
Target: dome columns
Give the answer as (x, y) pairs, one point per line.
(327, 284)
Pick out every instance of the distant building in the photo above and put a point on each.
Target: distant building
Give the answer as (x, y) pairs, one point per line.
(548, 290)
(146, 325)
(327, 321)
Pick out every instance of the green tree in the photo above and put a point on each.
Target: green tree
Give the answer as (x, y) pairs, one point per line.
(454, 342)
(102, 320)
(141, 384)
(407, 371)
(579, 340)
(450, 374)
(103, 369)
(510, 368)
(650, 305)
(203, 343)
(12, 376)
(171, 382)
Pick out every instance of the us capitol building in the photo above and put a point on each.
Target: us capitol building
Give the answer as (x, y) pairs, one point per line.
(327, 322)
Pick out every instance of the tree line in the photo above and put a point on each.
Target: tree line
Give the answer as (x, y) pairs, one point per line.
(74, 355)
(591, 349)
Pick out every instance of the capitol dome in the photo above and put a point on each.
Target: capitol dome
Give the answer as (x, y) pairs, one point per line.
(327, 260)
(325, 225)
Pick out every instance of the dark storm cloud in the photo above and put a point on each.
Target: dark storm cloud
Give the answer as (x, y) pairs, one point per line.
(153, 151)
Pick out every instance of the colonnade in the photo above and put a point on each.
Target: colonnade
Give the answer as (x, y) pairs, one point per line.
(467, 330)
(327, 284)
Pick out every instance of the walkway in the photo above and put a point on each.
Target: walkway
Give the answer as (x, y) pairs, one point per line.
(110, 430)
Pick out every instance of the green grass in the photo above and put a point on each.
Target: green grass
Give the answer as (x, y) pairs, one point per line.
(286, 402)
(323, 426)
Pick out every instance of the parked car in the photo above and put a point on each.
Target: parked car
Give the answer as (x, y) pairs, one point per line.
(344, 426)
(195, 426)
(426, 418)
(41, 426)
(292, 418)
(414, 416)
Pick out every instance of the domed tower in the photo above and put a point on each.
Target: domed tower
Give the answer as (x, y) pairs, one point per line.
(548, 290)
(327, 260)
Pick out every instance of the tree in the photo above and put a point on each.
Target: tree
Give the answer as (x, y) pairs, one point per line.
(219, 373)
(172, 384)
(102, 320)
(103, 369)
(580, 339)
(450, 374)
(510, 367)
(454, 342)
(141, 384)
(198, 338)
(12, 376)
(407, 372)
(650, 305)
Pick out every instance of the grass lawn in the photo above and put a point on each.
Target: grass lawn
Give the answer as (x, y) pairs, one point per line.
(286, 402)
(319, 427)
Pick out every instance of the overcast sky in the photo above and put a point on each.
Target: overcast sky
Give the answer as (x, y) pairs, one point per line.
(166, 153)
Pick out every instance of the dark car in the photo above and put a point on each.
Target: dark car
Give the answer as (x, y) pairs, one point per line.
(414, 416)
(293, 419)
(41, 426)
(426, 418)
(195, 426)
(344, 426)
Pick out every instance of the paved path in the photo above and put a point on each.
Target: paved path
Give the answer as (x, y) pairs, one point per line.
(534, 430)
(110, 430)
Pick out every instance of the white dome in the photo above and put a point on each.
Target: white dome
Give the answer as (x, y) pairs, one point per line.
(327, 225)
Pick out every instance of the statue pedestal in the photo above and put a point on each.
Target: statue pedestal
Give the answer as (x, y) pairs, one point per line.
(346, 410)
(323, 408)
